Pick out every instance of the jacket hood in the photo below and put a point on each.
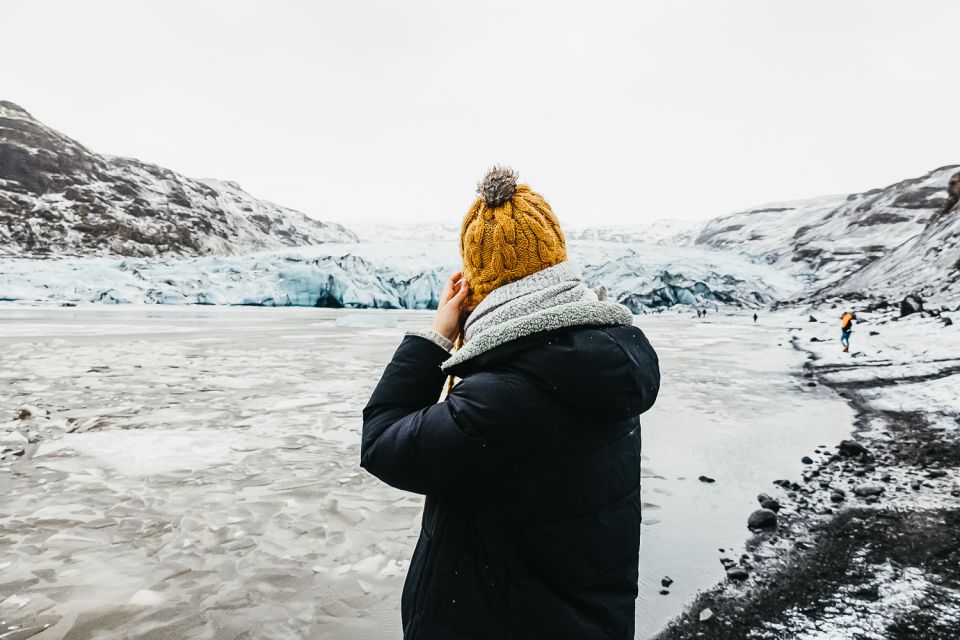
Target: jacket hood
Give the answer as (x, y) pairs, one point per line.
(608, 371)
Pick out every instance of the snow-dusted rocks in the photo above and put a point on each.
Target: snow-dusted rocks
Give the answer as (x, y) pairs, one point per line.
(927, 263)
(828, 238)
(59, 198)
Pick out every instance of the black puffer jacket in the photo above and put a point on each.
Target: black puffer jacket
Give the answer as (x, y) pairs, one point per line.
(531, 468)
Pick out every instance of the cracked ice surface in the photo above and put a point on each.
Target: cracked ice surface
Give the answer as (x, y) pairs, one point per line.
(215, 489)
(192, 472)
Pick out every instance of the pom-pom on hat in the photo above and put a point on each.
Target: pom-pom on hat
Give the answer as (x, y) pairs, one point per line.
(510, 232)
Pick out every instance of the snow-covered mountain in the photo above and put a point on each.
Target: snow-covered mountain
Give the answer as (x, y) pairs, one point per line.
(885, 242)
(59, 198)
(928, 263)
(77, 227)
(664, 231)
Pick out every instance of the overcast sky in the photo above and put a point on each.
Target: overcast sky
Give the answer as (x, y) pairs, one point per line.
(617, 112)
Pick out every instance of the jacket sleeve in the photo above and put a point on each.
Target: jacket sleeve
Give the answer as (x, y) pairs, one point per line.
(413, 443)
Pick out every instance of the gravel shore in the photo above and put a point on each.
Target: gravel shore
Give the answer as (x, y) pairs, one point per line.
(867, 543)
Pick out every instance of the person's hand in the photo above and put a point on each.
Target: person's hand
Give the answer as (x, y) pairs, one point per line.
(447, 320)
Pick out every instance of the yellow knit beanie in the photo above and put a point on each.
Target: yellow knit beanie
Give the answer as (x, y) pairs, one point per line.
(509, 232)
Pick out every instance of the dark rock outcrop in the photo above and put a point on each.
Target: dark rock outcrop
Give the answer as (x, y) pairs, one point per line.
(59, 198)
(953, 193)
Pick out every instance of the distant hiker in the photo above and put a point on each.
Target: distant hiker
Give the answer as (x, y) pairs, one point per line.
(846, 326)
(754, 317)
(531, 464)
(698, 313)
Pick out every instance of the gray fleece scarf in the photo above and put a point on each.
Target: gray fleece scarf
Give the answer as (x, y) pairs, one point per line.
(553, 298)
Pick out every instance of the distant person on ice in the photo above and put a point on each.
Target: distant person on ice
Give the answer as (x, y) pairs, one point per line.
(846, 327)
(531, 465)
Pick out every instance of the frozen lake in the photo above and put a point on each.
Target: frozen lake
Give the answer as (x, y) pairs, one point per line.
(210, 487)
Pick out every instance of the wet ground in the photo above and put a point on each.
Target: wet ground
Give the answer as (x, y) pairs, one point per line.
(192, 472)
(869, 548)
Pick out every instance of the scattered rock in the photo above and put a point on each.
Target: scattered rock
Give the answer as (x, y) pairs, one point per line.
(874, 333)
(870, 593)
(762, 519)
(911, 304)
(806, 460)
(946, 321)
(836, 497)
(664, 592)
(851, 448)
(706, 479)
(762, 498)
(771, 504)
(936, 473)
(737, 573)
(24, 414)
(866, 490)
(666, 581)
(812, 319)
(706, 614)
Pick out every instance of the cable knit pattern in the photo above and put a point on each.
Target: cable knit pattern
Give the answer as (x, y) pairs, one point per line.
(507, 237)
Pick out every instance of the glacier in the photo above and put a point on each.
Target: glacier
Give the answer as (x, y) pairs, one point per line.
(383, 275)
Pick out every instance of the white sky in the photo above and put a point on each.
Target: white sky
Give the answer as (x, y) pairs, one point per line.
(617, 112)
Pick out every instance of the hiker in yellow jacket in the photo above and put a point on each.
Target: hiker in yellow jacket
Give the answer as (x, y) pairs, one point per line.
(846, 326)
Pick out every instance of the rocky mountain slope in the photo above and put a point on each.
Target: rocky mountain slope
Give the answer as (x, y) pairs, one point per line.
(927, 264)
(886, 242)
(59, 198)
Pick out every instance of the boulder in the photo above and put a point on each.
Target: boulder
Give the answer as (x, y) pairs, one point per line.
(851, 448)
(911, 304)
(771, 504)
(737, 573)
(866, 490)
(762, 519)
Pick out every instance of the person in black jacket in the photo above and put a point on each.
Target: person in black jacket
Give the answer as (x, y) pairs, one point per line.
(531, 464)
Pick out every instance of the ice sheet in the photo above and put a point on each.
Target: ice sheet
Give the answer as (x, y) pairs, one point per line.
(211, 478)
